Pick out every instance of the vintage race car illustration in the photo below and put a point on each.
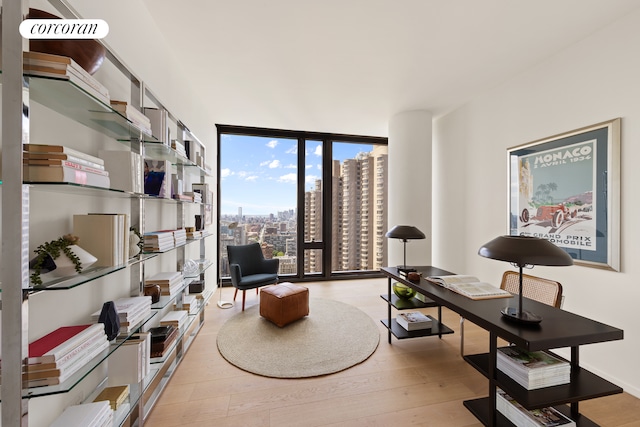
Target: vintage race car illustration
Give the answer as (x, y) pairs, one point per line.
(557, 214)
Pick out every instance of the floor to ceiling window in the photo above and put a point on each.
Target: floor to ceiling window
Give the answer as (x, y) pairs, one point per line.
(315, 201)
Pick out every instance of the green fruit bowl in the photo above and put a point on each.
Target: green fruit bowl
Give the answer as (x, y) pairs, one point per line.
(403, 291)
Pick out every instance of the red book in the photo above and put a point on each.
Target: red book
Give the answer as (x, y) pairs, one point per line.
(56, 344)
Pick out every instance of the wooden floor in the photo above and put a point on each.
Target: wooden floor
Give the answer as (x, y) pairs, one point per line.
(417, 382)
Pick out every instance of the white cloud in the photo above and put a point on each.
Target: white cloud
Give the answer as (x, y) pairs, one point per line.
(265, 163)
(318, 151)
(225, 173)
(272, 144)
(311, 179)
(251, 178)
(274, 164)
(319, 166)
(289, 178)
(290, 166)
(308, 166)
(293, 149)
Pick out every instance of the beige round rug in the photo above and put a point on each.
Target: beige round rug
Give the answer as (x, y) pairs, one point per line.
(335, 336)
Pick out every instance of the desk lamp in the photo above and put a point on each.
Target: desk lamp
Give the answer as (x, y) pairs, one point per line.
(524, 251)
(405, 232)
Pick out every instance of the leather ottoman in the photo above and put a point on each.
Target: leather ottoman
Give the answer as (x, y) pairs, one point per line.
(284, 303)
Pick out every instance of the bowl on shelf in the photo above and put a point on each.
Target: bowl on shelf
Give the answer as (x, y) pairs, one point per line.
(88, 53)
(403, 291)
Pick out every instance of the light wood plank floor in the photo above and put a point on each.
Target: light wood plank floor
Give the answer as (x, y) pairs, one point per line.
(417, 382)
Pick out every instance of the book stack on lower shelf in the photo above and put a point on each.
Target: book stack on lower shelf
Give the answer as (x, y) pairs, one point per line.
(414, 321)
(176, 318)
(131, 311)
(542, 417)
(63, 352)
(533, 369)
(158, 241)
(115, 395)
(170, 282)
(189, 303)
(161, 339)
(95, 414)
(57, 163)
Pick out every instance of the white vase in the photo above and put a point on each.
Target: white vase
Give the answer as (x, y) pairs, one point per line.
(66, 267)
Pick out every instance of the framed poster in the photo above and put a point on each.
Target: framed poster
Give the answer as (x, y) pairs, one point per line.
(566, 189)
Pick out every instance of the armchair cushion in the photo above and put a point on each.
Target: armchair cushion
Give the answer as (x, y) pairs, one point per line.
(249, 268)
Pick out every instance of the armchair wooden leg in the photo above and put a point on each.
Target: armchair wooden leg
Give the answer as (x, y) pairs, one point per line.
(235, 294)
(244, 294)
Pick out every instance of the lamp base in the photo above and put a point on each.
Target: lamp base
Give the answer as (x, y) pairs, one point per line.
(225, 304)
(515, 315)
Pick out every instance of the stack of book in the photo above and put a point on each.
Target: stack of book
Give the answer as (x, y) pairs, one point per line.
(131, 311)
(180, 236)
(105, 236)
(533, 369)
(178, 147)
(161, 339)
(158, 241)
(125, 170)
(115, 395)
(414, 321)
(543, 417)
(196, 197)
(170, 282)
(57, 163)
(95, 414)
(189, 303)
(130, 363)
(175, 318)
(65, 68)
(132, 114)
(192, 233)
(61, 353)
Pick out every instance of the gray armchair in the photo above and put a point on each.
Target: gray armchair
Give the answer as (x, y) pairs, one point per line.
(250, 269)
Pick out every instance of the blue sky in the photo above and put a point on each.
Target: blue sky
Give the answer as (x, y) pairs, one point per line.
(259, 174)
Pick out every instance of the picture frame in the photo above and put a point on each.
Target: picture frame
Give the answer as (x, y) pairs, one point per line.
(566, 189)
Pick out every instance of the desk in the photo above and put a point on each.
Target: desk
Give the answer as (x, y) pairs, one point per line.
(558, 329)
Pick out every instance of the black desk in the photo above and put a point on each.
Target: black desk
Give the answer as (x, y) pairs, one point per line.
(558, 329)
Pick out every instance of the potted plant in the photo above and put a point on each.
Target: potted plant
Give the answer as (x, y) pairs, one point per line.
(49, 258)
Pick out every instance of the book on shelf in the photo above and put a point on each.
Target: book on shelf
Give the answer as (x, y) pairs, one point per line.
(94, 414)
(64, 67)
(159, 123)
(533, 369)
(175, 318)
(68, 359)
(158, 241)
(73, 174)
(48, 151)
(162, 337)
(127, 365)
(518, 415)
(43, 159)
(115, 395)
(469, 286)
(80, 359)
(105, 236)
(98, 169)
(131, 311)
(132, 114)
(61, 341)
(125, 169)
(413, 320)
(157, 178)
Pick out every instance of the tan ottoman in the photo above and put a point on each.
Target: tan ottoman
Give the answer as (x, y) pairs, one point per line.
(284, 303)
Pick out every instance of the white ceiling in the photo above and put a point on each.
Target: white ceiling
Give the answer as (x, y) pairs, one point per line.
(347, 66)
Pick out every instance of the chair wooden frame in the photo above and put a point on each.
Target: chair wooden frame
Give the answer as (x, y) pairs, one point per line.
(536, 288)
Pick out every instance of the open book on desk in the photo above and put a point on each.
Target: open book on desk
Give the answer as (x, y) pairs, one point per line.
(469, 286)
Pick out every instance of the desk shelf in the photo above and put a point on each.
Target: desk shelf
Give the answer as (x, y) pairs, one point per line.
(584, 385)
(401, 333)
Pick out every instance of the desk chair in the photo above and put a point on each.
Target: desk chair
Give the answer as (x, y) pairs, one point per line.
(536, 288)
(250, 269)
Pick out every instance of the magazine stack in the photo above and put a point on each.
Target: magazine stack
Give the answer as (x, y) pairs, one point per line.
(131, 311)
(533, 369)
(170, 282)
(55, 357)
(542, 417)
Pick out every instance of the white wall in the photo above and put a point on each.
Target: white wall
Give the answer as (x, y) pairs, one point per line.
(593, 81)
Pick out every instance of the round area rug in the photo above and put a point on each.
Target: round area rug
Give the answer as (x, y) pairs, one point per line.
(335, 336)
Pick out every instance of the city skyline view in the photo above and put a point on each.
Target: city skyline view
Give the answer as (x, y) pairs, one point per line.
(259, 174)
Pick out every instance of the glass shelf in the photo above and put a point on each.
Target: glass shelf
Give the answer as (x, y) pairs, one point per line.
(78, 376)
(183, 329)
(70, 282)
(82, 190)
(72, 101)
(160, 151)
